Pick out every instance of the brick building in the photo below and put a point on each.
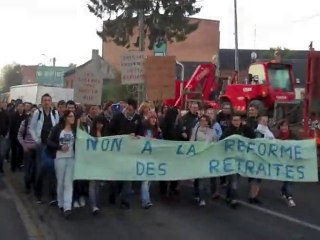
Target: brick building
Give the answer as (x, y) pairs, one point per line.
(199, 46)
(29, 74)
(95, 62)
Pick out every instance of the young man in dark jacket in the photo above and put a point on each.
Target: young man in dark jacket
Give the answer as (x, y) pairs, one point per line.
(126, 122)
(236, 128)
(42, 121)
(16, 149)
(252, 117)
(4, 128)
(224, 116)
(187, 122)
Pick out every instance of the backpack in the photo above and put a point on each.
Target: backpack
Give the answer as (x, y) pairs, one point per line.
(25, 122)
(53, 112)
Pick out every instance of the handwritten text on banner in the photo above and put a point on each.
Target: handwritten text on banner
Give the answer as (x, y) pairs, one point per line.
(125, 158)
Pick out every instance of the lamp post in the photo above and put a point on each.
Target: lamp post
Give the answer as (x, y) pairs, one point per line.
(236, 50)
(53, 60)
(142, 86)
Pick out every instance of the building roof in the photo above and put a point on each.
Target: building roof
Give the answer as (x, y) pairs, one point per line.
(297, 58)
(73, 70)
(227, 56)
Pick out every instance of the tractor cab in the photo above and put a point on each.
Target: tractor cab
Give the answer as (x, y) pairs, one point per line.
(277, 77)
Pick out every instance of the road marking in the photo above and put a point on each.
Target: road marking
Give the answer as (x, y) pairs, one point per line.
(189, 184)
(34, 233)
(282, 216)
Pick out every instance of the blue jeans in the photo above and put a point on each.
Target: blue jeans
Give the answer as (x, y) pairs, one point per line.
(94, 189)
(30, 168)
(201, 188)
(285, 189)
(45, 171)
(232, 187)
(145, 194)
(126, 192)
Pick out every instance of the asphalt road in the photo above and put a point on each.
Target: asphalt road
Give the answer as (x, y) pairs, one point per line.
(181, 218)
(11, 226)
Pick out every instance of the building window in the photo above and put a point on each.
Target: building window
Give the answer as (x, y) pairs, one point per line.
(39, 73)
(59, 74)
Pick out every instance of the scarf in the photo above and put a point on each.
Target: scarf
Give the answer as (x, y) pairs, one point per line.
(265, 131)
(284, 135)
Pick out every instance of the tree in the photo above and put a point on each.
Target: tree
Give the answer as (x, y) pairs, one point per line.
(285, 53)
(11, 76)
(72, 65)
(164, 20)
(114, 91)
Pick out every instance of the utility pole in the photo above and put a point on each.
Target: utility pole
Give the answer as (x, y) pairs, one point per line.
(54, 68)
(236, 50)
(142, 86)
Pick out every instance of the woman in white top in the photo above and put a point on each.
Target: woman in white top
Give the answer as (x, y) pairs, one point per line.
(201, 132)
(61, 144)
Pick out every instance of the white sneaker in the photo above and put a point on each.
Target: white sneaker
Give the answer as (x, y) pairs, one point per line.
(82, 202)
(291, 203)
(95, 210)
(76, 204)
(197, 199)
(202, 203)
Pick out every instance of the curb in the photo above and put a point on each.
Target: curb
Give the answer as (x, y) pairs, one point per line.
(33, 231)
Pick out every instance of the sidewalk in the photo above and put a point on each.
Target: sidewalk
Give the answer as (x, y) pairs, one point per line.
(34, 228)
(11, 225)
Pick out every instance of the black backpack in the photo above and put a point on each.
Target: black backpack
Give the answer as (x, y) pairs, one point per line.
(53, 112)
(25, 130)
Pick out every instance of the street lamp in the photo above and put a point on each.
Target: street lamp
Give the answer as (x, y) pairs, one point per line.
(53, 59)
(236, 50)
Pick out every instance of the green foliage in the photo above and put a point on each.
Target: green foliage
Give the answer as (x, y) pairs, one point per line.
(164, 19)
(114, 91)
(11, 75)
(285, 53)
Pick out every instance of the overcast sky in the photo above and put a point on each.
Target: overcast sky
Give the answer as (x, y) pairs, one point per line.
(65, 29)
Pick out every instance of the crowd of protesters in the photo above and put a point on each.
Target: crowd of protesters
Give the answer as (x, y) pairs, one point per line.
(40, 140)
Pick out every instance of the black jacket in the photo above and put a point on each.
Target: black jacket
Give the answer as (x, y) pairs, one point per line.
(168, 124)
(4, 123)
(185, 125)
(15, 122)
(243, 130)
(252, 122)
(53, 143)
(121, 125)
(224, 120)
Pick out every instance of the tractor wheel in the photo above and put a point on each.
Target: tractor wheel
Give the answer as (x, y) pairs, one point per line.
(258, 104)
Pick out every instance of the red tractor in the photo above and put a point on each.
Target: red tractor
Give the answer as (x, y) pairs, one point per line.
(268, 83)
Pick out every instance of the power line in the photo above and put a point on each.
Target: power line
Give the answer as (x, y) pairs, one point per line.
(307, 18)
